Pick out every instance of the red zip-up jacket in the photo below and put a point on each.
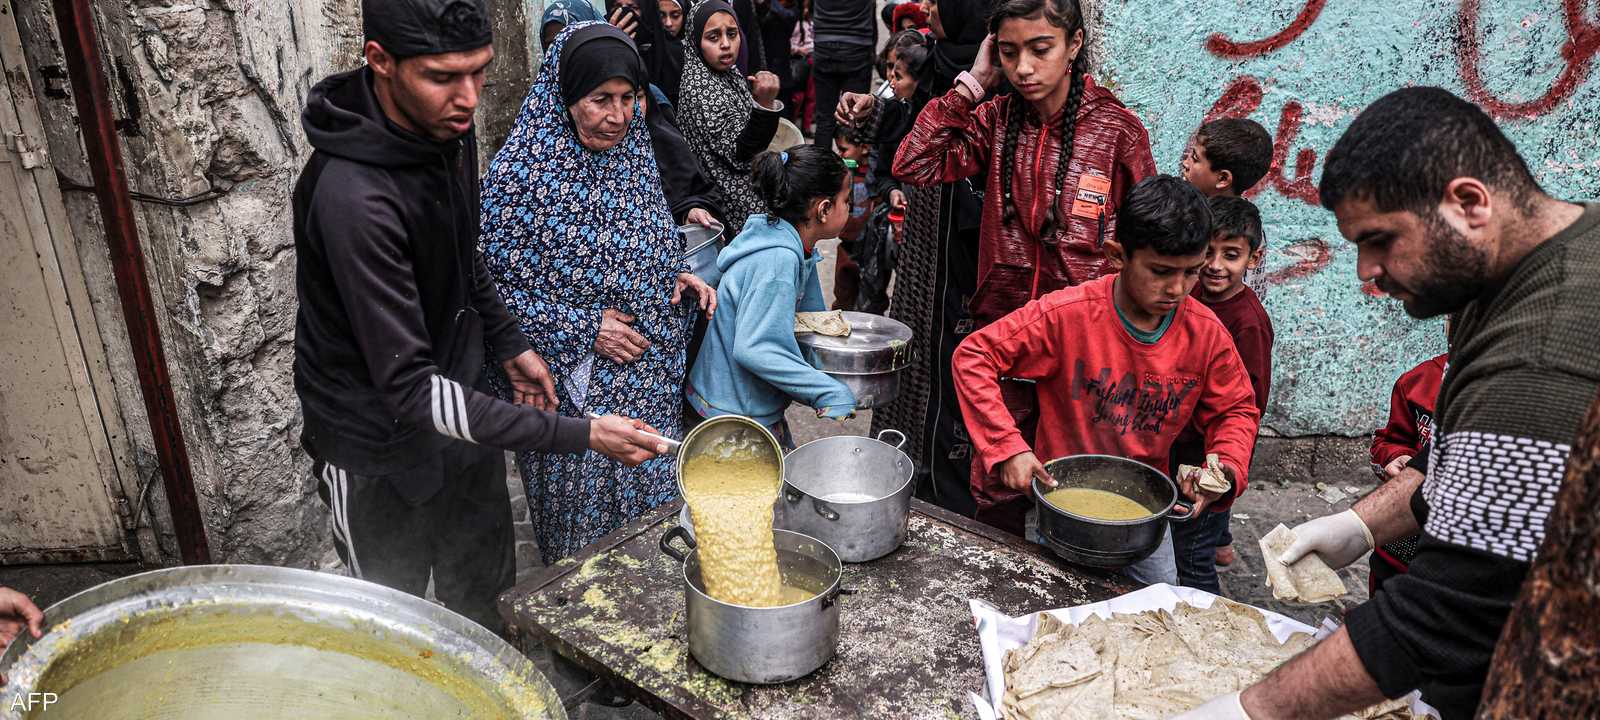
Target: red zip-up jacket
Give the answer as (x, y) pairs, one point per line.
(1100, 390)
(954, 139)
(1410, 423)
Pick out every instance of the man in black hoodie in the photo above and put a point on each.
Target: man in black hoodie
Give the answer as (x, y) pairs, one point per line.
(397, 314)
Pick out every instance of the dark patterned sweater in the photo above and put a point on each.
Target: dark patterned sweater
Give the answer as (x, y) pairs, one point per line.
(1523, 371)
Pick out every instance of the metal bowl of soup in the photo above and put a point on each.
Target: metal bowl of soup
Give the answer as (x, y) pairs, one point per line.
(1106, 511)
(246, 641)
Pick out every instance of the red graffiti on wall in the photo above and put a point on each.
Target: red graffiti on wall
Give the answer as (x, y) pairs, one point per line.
(1221, 46)
(1243, 97)
(1577, 55)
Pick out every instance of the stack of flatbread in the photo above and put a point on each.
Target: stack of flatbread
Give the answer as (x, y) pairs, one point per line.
(1308, 580)
(1153, 664)
(1212, 478)
(830, 323)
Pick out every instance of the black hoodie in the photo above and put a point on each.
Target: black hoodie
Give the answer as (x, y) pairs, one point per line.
(395, 302)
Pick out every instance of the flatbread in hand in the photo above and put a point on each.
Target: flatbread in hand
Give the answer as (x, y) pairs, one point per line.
(1309, 580)
(1212, 478)
(830, 323)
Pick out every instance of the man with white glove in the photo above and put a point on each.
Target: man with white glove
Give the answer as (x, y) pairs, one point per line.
(1446, 218)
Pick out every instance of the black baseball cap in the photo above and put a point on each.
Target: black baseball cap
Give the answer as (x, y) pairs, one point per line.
(406, 28)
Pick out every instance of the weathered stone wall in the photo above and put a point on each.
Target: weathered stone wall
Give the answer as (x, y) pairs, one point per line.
(209, 98)
(1304, 69)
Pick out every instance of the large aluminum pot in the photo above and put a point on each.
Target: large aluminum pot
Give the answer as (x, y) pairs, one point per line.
(1108, 543)
(243, 641)
(868, 360)
(764, 645)
(701, 246)
(853, 493)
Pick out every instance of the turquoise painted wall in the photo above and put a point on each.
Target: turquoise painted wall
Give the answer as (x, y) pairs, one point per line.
(1304, 69)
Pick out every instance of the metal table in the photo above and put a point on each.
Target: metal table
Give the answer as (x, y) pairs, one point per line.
(907, 646)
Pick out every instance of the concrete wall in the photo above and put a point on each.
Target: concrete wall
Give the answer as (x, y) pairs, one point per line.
(209, 97)
(1304, 69)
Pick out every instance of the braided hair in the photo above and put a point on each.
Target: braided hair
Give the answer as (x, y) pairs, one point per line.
(1067, 15)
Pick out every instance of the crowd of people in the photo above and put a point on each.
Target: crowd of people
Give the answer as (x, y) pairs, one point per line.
(1065, 297)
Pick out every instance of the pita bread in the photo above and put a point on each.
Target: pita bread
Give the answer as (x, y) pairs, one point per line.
(1308, 580)
(831, 323)
(1212, 477)
(1153, 664)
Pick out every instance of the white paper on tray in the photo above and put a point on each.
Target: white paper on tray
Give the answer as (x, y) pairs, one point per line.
(999, 633)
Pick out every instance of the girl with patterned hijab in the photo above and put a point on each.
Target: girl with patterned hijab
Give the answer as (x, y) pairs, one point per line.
(724, 118)
(581, 243)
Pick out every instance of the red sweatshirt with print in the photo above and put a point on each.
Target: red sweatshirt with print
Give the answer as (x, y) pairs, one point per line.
(1410, 423)
(1102, 391)
(954, 139)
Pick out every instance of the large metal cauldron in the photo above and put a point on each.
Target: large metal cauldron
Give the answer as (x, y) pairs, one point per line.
(1108, 543)
(853, 493)
(764, 645)
(868, 360)
(241, 641)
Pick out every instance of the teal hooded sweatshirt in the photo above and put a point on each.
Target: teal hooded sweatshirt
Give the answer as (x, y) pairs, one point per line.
(750, 363)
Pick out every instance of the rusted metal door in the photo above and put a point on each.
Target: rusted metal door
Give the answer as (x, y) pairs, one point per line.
(59, 482)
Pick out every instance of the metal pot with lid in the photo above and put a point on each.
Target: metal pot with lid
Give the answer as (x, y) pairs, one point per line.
(868, 360)
(245, 641)
(1108, 543)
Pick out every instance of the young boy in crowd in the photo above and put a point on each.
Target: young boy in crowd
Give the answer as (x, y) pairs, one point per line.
(853, 145)
(1227, 157)
(1121, 365)
(1407, 434)
(1237, 245)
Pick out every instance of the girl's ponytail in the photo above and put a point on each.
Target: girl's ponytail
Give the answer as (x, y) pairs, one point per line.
(788, 181)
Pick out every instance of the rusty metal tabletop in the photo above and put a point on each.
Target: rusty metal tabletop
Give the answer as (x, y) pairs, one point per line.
(907, 646)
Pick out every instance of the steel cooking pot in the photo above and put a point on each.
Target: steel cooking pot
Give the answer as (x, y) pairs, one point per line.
(868, 360)
(1108, 543)
(701, 245)
(729, 435)
(853, 493)
(764, 645)
(243, 641)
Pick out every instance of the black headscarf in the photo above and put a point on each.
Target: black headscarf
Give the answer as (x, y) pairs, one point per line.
(595, 54)
(664, 59)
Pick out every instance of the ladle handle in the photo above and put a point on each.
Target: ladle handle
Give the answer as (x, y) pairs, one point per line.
(897, 445)
(673, 552)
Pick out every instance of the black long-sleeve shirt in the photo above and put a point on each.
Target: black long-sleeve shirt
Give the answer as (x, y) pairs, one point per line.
(1523, 372)
(396, 306)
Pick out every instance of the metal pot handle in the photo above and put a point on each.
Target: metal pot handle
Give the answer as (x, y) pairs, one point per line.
(1187, 514)
(825, 511)
(682, 533)
(897, 445)
(792, 495)
(833, 597)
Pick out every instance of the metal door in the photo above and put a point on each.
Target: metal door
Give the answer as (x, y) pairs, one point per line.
(59, 481)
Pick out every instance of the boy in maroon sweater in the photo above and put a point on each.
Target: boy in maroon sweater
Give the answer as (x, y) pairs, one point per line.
(1237, 245)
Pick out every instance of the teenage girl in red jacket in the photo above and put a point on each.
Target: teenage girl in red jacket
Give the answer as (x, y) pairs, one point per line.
(1060, 154)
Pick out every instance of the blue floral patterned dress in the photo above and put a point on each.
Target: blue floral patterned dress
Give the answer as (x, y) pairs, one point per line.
(567, 233)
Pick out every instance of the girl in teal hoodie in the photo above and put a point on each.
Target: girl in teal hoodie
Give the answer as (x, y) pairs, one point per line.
(750, 363)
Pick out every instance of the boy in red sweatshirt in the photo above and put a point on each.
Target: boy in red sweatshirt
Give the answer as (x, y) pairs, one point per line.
(1237, 245)
(1121, 365)
(1407, 434)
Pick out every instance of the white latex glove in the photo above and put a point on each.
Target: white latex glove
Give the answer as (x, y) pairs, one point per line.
(1224, 707)
(1340, 539)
